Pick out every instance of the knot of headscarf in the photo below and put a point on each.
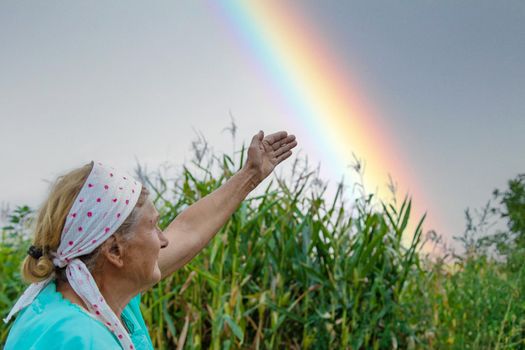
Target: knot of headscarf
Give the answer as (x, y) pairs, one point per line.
(104, 202)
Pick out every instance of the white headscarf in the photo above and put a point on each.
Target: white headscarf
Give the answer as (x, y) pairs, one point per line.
(105, 201)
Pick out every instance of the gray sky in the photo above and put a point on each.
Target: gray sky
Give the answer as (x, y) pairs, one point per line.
(118, 80)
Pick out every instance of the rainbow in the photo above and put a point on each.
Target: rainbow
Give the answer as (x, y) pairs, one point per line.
(320, 95)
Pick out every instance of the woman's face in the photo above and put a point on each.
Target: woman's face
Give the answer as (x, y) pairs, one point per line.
(142, 250)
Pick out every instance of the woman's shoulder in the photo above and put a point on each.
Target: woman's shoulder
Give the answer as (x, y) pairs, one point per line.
(52, 322)
(62, 328)
(66, 329)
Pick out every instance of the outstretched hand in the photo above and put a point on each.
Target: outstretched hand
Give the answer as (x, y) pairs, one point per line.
(265, 153)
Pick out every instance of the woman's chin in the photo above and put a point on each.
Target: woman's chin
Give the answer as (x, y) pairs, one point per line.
(156, 275)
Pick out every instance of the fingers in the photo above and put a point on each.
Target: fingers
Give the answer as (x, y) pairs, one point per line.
(283, 156)
(285, 148)
(274, 140)
(276, 136)
(278, 139)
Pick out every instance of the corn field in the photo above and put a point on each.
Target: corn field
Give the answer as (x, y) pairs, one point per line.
(295, 268)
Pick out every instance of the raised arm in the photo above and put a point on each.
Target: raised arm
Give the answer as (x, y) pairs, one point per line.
(192, 229)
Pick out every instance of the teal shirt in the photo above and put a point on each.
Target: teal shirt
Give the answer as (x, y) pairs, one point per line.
(52, 322)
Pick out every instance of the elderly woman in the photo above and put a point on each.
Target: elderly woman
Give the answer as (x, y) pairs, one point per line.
(97, 246)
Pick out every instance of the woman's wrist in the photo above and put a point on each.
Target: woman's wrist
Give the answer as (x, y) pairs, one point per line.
(251, 175)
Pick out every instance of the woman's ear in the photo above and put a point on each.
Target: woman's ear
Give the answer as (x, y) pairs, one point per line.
(113, 250)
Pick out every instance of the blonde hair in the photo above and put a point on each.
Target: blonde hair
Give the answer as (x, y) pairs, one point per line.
(50, 222)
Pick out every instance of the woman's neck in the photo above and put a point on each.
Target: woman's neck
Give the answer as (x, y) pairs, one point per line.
(64, 288)
(115, 297)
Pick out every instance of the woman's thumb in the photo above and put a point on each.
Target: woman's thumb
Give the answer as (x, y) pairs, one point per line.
(259, 136)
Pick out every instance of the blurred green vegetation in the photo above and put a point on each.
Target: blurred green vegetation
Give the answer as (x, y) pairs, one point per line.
(295, 268)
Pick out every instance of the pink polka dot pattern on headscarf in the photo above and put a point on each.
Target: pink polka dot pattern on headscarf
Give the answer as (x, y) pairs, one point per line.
(103, 204)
